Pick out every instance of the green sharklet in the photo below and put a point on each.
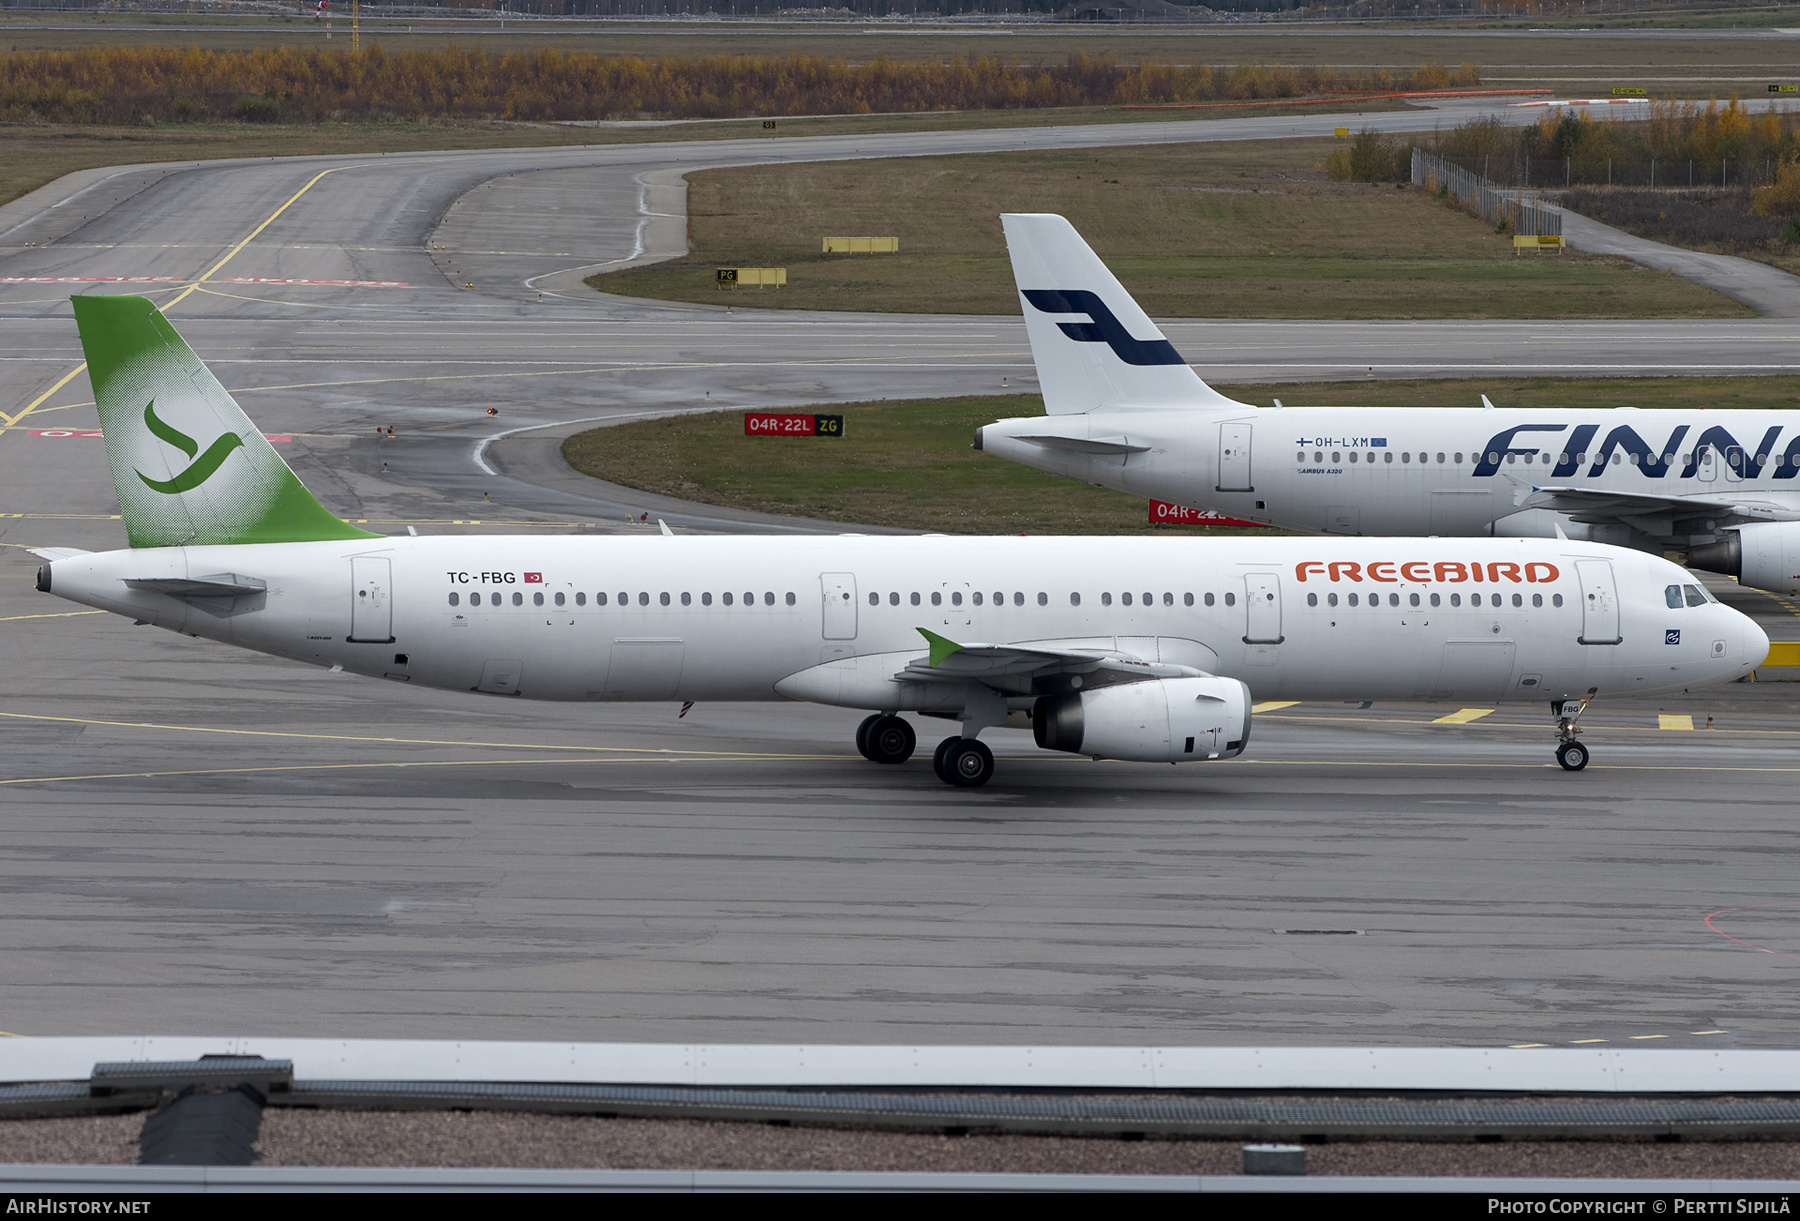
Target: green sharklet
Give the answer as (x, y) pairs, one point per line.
(136, 358)
(201, 470)
(942, 647)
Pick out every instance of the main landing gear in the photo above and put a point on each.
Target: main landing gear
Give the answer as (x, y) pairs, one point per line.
(1571, 754)
(965, 762)
(884, 738)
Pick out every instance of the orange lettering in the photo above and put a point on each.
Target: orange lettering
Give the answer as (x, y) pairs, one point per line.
(1376, 576)
(1406, 570)
(1301, 569)
(1550, 571)
(1475, 571)
(1450, 570)
(1510, 571)
(1348, 568)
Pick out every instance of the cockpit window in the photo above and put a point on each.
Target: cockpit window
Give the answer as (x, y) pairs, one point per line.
(1696, 596)
(1672, 595)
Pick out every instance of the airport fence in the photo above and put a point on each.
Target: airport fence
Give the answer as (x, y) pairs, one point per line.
(1485, 198)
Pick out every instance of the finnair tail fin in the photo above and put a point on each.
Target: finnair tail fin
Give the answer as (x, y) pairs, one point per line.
(190, 467)
(1093, 346)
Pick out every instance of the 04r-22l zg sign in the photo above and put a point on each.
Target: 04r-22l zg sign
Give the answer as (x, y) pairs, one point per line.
(785, 424)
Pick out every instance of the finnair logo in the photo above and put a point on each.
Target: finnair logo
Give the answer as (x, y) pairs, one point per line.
(1105, 328)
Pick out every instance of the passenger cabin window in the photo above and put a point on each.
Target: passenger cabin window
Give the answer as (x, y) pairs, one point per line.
(1555, 599)
(705, 599)
(1330, 599)
(600, 599)
(559, 599)
(1043, 598)
(1105, 599)
(643, 599)
(790, 599)
(956, 599)
(937, 599)
(894, 599)
(1209, 599)
(1187, 599)
(1312, 599)
(537, 599)
(1074, 599)
(687, 599)
(663, 598)
(454, 600)
(1230, 599)
(915, 599)
(725, 598)
(519, 599)
(874, 599)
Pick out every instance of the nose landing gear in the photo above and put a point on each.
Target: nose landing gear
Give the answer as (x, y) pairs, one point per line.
(1572, 755)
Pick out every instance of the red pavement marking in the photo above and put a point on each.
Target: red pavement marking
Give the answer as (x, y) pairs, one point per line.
(337, 283)
(1726, 911)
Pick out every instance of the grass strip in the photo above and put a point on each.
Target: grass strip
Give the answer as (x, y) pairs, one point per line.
(1240, 229)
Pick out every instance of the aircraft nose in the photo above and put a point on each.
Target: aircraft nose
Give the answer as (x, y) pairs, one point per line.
(1754, 639)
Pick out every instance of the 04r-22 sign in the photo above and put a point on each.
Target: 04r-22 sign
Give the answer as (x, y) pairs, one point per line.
(783, 424)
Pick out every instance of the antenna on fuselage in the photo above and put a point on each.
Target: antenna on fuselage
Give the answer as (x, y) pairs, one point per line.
(1487, 403)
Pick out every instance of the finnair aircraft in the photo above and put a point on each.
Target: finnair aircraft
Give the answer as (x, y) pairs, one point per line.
(1124, 648)
(1125, 411)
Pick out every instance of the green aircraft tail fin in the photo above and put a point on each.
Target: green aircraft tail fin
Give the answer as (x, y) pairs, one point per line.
(190, 467)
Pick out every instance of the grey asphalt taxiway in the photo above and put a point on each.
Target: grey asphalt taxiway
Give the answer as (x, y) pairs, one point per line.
(202, 840)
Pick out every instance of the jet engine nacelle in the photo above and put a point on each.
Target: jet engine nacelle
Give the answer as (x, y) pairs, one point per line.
(1762, 555)
(1167, 720)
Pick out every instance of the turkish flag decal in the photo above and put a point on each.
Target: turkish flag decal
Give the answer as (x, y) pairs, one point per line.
(534, 578)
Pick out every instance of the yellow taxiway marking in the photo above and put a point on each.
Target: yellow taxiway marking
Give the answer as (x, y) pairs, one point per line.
(1516, 1046)
(1649, 1036)
(350, 737)
(641, 756)
(51, 615)
(1609, 728)
(12, 420)
(1464, 716)
(1706, 1032)
(34, 404)
(10, 1035)
(1587, 1040)
(1272, 705)
(1666, 721)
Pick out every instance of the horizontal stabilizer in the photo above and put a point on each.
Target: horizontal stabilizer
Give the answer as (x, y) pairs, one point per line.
(219, 585)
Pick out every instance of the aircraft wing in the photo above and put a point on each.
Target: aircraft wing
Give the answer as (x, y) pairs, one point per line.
(1595, 506)
(1015, 667)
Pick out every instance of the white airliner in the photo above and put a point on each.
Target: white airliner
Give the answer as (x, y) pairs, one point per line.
(1720, 488)
(1125, 648)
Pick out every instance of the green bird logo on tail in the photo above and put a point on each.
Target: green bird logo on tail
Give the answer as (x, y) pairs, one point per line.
(201, 469)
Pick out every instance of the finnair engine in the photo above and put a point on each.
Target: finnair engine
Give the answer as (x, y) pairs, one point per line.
(1762, 555)
(1166, 720)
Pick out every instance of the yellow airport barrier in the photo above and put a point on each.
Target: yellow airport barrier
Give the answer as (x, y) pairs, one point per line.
(1341, 133)
(1784, 653)
(735, 277)
(1531, 241)
(862, 245)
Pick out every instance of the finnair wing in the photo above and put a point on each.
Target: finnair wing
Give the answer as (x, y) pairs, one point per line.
(1596, 506)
